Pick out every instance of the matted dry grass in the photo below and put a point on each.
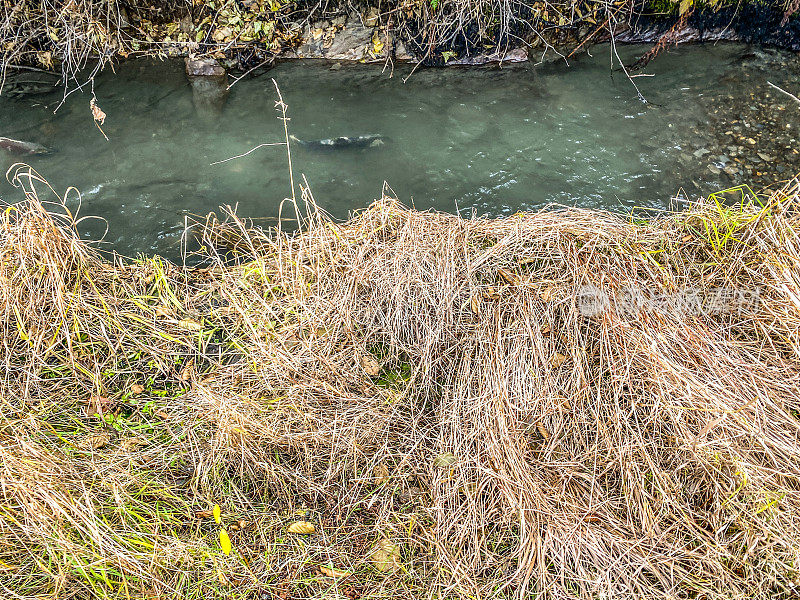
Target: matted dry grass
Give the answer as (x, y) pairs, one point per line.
(431, 385)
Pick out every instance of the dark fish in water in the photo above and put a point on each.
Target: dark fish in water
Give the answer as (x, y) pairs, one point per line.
(20, 147)
(362, 141)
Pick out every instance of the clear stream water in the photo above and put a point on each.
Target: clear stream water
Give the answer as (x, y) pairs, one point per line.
(493, 140)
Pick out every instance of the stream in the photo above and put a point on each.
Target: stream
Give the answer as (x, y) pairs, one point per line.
(485, 141)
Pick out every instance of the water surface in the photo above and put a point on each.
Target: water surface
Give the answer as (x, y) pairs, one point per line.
(488, 140)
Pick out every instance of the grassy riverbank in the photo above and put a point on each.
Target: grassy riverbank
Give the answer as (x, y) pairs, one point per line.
(66, 35)
(570, 404)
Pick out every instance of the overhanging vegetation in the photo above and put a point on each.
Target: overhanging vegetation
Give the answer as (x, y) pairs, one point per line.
(66, 34)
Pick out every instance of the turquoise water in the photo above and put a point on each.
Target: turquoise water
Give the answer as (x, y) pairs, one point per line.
(484, 140)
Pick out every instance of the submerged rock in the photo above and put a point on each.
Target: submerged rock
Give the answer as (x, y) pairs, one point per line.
(209, 86)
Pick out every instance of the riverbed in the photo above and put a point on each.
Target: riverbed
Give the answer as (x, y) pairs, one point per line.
(486, 141)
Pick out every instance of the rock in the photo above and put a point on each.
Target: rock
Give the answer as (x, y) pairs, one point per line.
(351, 43)
(714, 169)
(400, 51)
(515, 55)
(204, 67)
(186, 26)
(372, 17)
(313, 42)
(701, 152)
(209, 82)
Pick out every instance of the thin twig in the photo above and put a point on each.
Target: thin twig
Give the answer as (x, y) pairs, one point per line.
(792, 96)
(245, 153)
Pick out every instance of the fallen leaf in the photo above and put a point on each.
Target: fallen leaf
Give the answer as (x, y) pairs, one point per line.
(557, 360)
(97, 113)
(137, 388)
(190, 324)
(301, 527)
(224, 541)
(385, 556)
(445, 459)
(591, 518)
(202, 514)
(381, 472)
(473, 304)
(542, 430)
(98, 405)
(94, 441)
(240, 524)
(132, 443)
(45, 59)
(546, 295)
(377, 44)
(545, 328)
(510, 277)
(491, 294)
(370, 365)
(335, 573)
(187, 371)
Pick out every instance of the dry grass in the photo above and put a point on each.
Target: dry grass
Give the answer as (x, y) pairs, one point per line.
(405, 376)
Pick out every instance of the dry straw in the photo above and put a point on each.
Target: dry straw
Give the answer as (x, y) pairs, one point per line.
(424, 393)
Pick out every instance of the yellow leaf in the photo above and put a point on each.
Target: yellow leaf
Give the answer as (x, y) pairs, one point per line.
(224, 541)
(217, 512)
(301, 527)
(377, 44)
